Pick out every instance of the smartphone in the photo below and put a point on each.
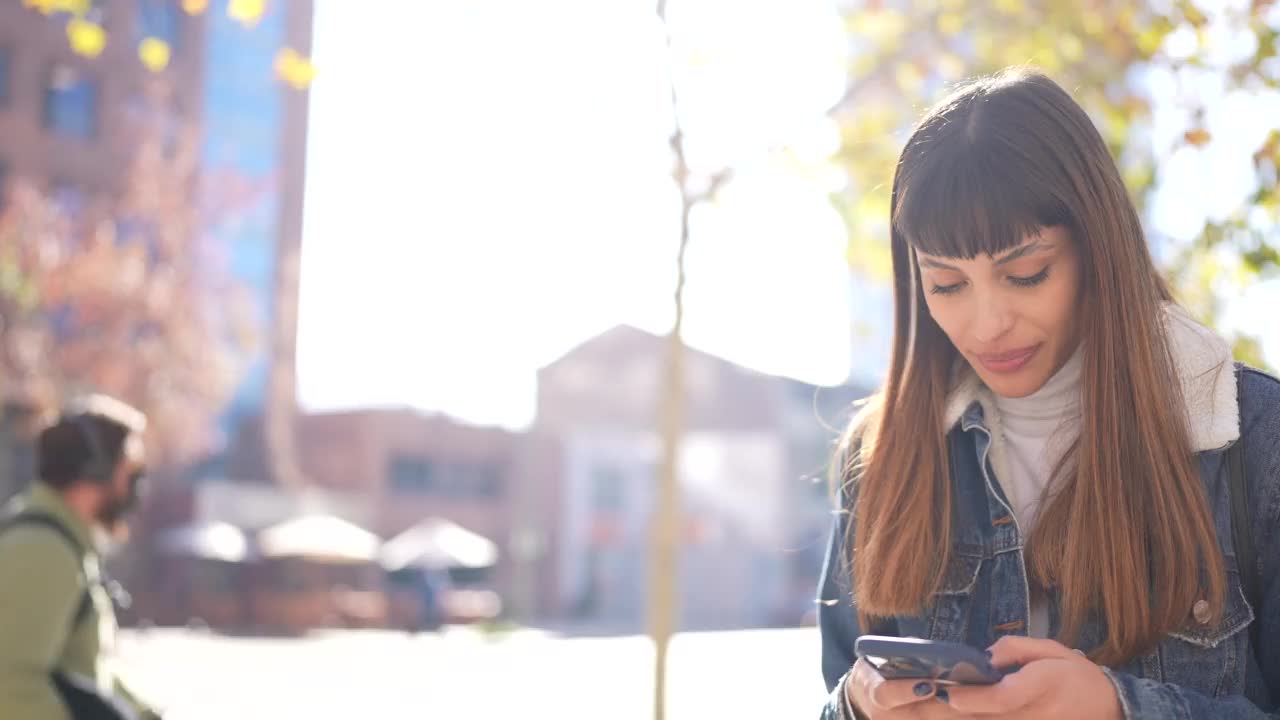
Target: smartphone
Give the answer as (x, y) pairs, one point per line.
(914, 659)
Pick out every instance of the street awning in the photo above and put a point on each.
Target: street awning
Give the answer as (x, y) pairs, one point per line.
(324, 538)
(437, 543)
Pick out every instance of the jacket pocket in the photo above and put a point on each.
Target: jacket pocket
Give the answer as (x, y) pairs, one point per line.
(953, 602)
(961, 574)
(1207, 656)
(1236, 616)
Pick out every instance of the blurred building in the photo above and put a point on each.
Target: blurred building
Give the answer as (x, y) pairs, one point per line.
(412, 466)
(755, 516)
(386, 469)
(70, 124)
(67, 126)
(569, 501)
(62, 128)
(371, 476)
(63, 117)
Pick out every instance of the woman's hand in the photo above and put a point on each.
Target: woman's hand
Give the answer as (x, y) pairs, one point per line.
(1053, 683)
(881, 699)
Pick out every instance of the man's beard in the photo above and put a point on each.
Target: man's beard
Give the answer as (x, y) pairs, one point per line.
(115, 508)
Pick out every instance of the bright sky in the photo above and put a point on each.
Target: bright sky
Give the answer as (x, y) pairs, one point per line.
(488, 185)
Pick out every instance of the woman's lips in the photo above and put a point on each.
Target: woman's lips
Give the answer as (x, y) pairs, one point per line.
(1007, 362)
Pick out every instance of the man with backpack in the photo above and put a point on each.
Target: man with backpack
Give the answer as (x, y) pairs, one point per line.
(57, 622)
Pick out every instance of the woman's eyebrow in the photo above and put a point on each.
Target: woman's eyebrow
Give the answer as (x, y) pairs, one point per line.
(1023, 251)
(926, 262)
(1018, 252)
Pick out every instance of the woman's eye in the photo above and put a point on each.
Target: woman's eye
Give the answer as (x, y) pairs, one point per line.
(946, 289)
(1031, 281)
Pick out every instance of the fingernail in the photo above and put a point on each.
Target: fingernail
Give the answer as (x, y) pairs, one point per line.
(943, 696)
(922, 689)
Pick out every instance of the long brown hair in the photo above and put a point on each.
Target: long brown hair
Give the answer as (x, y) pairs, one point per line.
(1127, 535)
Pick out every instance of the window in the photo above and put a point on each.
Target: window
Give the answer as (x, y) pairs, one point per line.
(449, 481)
(471, 481)
(411, 474)
(488, 482)
(6, 65)
(160, 19)
(71, 103)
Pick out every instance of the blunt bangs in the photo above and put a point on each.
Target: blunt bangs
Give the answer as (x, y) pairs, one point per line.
(960, 196)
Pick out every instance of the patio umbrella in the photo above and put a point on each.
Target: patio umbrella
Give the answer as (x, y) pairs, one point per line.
(319, 537)
(437, 543)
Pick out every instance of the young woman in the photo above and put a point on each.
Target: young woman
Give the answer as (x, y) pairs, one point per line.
(1045, 472)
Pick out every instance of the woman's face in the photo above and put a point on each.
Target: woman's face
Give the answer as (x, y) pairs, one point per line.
(1014, 317)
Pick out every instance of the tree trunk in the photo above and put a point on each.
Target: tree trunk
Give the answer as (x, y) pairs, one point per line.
(664, 569)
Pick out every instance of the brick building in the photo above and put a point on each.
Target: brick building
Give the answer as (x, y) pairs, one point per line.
(63, 117)
(67, 127)
(386, 470)
(412, 466)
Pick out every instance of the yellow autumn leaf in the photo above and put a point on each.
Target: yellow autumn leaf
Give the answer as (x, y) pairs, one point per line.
(44, 6)
(1010, 7)
(1193, 14)
(74, 7)
(983, 44)
(908, 77)
(1071, 47)
(195, 7)
(1044, 57)
(87, 39)
(1197, 136)
(950, 23)
(154, 54)
(1149, 40)
(247, 12)
(882, 23)
(294, 69)
(1093, 23)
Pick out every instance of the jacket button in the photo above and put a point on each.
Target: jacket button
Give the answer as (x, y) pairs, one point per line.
(1200, 611)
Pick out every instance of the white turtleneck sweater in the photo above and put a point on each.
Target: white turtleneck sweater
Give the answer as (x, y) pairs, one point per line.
(1036, 431)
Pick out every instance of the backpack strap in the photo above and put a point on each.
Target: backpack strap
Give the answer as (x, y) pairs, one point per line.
(35, 519)
(1241, 524)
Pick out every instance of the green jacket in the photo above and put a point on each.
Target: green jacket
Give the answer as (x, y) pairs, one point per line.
(41, 589)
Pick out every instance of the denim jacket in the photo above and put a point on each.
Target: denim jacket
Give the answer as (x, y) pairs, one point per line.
(1197, 672)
